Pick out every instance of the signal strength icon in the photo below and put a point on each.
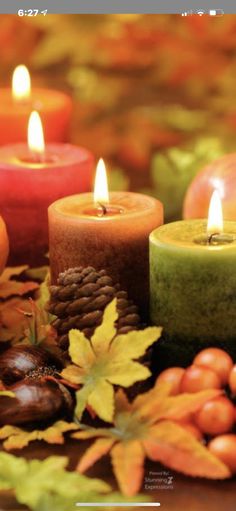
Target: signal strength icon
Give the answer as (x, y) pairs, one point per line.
(187, 13)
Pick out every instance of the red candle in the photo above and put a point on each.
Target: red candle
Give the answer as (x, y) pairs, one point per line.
(107, 231)
(16, 104)
(31, 178)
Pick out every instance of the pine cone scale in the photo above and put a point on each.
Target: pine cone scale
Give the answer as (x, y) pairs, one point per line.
(79, 299)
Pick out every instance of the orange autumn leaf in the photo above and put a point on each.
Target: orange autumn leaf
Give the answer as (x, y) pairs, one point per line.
(17, 438)
(148, 427)
(13, 297)
(12, 323)
(15, 288)
(12, 271)
(100, 447)
(169, 441)
(11, 287)
(128, 460)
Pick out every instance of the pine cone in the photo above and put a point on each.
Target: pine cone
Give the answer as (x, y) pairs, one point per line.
(80, 298)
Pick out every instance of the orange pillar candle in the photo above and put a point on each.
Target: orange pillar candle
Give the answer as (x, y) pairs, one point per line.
(31, 178)
(55, 108)
(107, 231)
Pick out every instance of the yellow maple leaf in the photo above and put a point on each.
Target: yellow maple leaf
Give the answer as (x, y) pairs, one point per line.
(7, 393)
(107, 359)
(148, 427)
(17, 438)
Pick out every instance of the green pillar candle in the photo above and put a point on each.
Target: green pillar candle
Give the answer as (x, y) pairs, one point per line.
(193, 281)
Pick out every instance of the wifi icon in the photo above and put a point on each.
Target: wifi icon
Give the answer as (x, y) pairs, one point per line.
(200, 13)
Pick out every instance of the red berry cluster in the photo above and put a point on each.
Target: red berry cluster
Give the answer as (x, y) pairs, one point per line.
(215, 422)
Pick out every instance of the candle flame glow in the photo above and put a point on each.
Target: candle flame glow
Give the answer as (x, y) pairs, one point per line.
(21, 83)
(215, 222)
(101, 194)
(36, 142)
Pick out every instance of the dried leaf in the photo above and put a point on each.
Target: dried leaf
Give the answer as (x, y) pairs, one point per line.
(105, 361)
(17, 438)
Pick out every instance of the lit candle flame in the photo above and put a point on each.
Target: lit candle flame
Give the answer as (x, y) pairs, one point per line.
(215, 222)
(36, 142)
(101, 194)
(21, 84)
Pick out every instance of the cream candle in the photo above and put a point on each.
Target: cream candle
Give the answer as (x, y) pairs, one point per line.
(193, 278)
(16, 103)
(32, 177)
(110, 233)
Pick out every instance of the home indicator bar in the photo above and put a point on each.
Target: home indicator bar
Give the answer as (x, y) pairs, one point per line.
(118, 504)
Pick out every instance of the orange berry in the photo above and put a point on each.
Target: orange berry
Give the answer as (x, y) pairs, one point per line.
(224, 448)
(216, 416)
(173, 376)
(198, 378)
(217, 360)
(232, 380)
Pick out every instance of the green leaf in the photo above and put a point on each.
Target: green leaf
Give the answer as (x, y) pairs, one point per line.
(38, 484)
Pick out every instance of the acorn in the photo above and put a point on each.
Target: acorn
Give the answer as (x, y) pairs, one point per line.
(35, 401)
(18, 361)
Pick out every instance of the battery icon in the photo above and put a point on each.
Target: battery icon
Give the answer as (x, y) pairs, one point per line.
(216, 12)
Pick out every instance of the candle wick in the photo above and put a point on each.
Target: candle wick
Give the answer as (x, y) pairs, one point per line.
(211, 237)
(103, 209)
(37, 157)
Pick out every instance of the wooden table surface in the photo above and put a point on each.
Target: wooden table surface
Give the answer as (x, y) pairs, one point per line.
(183, 494)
